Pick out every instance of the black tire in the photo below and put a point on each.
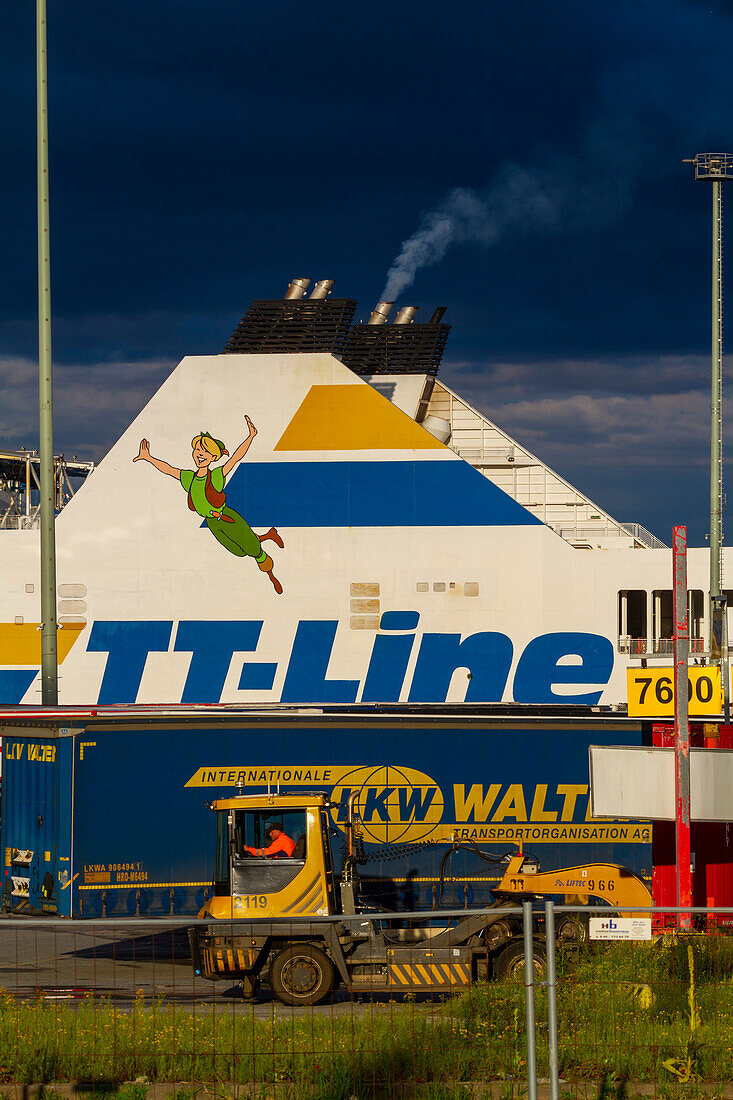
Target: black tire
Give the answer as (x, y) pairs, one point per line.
(302, 974)
(510, 962)
(573, 930)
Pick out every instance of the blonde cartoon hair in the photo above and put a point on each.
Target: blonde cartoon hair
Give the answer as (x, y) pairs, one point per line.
(215, 447)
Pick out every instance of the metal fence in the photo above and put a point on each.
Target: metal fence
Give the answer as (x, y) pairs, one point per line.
(118, 1007)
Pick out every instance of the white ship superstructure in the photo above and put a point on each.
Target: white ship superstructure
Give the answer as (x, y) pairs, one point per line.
(426, 555)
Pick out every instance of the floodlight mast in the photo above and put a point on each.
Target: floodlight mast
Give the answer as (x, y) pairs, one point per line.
(716, 168)
(49, 663)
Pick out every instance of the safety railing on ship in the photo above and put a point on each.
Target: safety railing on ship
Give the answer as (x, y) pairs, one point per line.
(663, 646)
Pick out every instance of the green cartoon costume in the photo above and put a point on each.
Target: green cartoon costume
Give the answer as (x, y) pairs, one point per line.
(206, 496)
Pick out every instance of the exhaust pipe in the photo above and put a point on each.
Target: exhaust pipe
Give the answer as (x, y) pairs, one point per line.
(322, 289)
(380, 313)
(296, 289)
(405, 315)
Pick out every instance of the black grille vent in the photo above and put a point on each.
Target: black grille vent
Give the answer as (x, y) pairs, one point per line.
(396, 349)
(272, 325)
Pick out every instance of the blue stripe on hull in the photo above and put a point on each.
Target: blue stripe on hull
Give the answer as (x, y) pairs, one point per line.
(371, 494)
(14, 683)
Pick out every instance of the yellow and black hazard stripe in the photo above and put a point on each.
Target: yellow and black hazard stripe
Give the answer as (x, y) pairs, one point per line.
(429, 974)
(226, 960)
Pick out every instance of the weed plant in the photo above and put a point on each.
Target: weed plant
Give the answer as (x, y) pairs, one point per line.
(658, 1012)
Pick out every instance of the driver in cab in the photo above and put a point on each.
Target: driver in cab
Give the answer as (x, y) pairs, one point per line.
(280, 844)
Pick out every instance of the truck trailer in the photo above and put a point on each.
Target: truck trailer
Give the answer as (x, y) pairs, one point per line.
(104, 809)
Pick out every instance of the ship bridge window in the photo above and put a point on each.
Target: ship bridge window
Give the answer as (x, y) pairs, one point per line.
(632, 621)
(695, 619)
(728, 593)
(662, 620)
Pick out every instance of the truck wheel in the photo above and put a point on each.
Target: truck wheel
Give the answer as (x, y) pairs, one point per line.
(302, 974)
(510, 963)
(573, 930)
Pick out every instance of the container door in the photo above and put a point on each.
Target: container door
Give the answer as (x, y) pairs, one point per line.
(29, 824)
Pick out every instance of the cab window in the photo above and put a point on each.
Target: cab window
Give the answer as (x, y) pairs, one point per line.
(253, 874)
(251, 830)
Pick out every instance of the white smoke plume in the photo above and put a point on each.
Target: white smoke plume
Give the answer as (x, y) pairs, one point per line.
(560, 193)
(646, 116)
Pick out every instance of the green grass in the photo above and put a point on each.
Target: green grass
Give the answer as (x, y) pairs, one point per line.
(624, 1010)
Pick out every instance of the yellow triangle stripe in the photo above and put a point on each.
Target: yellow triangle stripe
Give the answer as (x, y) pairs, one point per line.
(20, 643)
(352, 418)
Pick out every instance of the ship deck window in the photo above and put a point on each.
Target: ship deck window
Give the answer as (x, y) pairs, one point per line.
(632, 621)
(728, 593)
(695, 619)
(662, 620)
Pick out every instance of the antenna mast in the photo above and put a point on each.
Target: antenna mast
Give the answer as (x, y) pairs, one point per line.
(715, 168)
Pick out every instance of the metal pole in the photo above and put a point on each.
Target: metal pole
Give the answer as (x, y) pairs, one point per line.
(718, 633)
(681, 723)
(552, 999)
(49, 666)
(716, 434)
(529, 1000)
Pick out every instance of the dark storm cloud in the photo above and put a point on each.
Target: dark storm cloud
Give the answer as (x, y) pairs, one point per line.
(92, 405)
(639, 106)
(203, 155)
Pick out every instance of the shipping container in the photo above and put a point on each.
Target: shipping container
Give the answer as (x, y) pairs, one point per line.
(105, 811)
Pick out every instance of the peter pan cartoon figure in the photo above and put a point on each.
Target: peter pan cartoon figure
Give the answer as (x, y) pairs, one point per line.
(205, 488)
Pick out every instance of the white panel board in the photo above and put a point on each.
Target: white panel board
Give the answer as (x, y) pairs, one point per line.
(620, 928)
(638, 782)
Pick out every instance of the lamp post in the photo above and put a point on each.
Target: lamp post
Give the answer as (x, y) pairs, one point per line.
(49, 664)
(715, 168)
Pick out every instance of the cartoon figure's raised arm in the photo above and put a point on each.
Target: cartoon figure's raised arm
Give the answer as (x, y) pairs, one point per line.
(241, 449)
(144, 455)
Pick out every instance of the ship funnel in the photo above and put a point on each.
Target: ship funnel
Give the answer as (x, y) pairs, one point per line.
(322, 289)
(297, 288)
(380, 313)
(405, 315)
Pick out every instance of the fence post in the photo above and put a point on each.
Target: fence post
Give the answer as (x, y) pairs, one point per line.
(552, 998)
(529, 999)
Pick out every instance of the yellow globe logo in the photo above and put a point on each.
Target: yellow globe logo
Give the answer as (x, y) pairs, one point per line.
(393, 805)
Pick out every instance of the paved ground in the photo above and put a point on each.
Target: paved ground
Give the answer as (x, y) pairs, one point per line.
(71, 963)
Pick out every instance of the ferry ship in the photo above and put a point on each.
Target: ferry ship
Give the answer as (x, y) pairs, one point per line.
(312, 516)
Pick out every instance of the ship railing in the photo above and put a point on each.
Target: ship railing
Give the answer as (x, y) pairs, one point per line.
(662, 646)
(587, 532)
(666, 645)
(20, 523)
(627, 644)
(642, 535)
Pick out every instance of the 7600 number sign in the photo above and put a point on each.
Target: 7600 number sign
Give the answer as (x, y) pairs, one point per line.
(650, 691)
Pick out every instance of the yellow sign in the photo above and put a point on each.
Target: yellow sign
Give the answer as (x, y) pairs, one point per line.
(650, 691)
(397, 805)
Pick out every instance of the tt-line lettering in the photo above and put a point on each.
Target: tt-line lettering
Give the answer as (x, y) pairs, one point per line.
(541, 667)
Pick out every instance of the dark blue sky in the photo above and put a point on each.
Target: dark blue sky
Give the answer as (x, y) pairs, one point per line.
(204, 154)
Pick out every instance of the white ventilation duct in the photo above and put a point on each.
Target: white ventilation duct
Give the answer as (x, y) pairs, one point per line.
(438, 428)
(296, 289)
(322, 289)
(380, 313)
